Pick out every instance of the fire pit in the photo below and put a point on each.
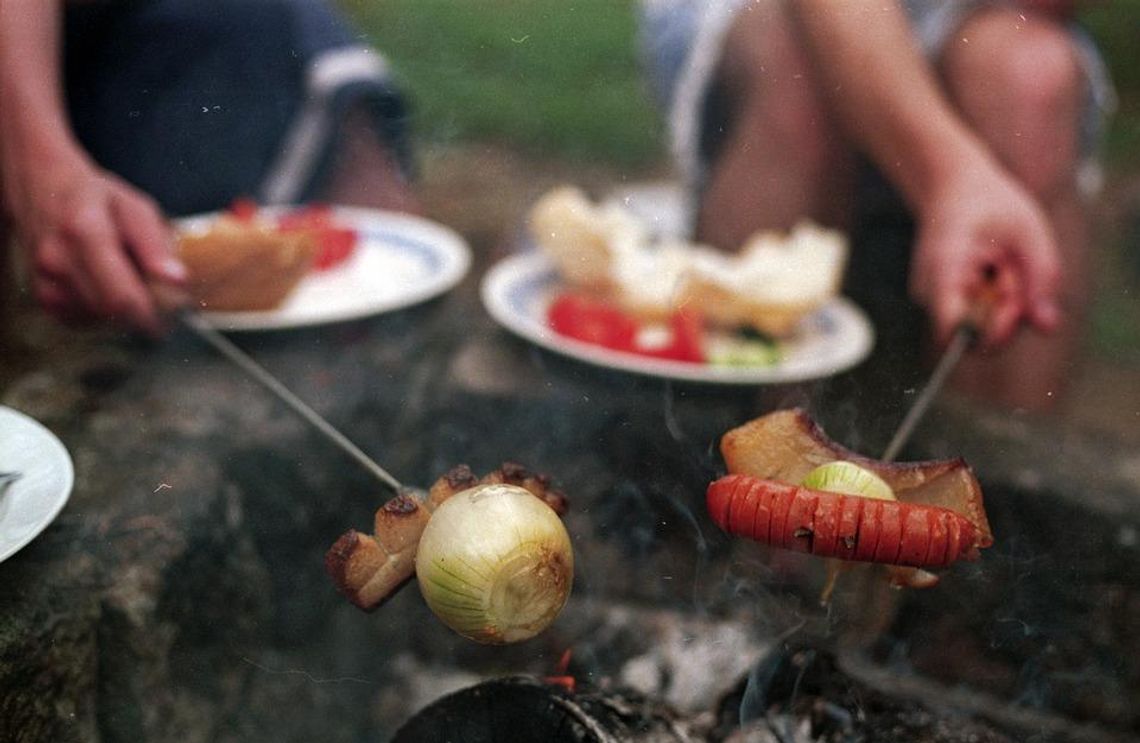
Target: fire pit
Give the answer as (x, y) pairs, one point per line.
(1032, 642)
(182, 596)
(1046, 622)
(791, 695)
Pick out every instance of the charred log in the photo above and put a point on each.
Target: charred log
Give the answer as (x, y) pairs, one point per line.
(803, 694)
(524, 710)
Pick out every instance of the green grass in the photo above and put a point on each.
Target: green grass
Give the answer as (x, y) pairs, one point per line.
(1114, 26)
(562, 78)
(549, 77)
(1115, 317)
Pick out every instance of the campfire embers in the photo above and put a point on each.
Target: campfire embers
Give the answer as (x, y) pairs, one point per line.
(804, 696)
(791, 696)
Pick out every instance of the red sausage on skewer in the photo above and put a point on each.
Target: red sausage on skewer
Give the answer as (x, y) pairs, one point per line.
(849, 527)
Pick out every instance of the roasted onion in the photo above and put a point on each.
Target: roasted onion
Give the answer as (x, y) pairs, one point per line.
(495, 564)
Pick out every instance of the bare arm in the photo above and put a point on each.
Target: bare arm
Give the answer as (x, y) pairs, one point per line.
(93, 240)
(971, 213)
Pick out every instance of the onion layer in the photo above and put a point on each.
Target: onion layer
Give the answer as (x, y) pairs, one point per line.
(495, 564)
(848, 479)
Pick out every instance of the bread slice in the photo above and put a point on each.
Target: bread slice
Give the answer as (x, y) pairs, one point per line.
(240, 265)
(581, 237)
(773, 283)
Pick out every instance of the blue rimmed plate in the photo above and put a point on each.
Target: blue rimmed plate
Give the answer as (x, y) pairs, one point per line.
(399, 261)
(517, 291)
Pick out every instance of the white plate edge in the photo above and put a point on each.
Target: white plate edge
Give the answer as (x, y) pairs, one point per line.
(65, 457)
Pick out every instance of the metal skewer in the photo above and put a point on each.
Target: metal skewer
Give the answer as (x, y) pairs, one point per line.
(963, 338)
(222, 345)
(966, 335)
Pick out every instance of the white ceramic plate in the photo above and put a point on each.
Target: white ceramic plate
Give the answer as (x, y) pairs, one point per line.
(518, 290)
(46, 476)
(400, 260)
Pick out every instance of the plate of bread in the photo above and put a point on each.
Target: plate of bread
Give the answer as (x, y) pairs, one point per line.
(263, 268)
(597, 285)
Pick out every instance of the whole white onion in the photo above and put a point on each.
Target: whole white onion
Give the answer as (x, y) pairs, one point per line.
(495, 564)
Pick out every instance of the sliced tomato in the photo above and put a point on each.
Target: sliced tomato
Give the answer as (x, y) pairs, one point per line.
(592, 321)
(688, 336)
(335, 242)
(595, 321)
(243, 208)
(686, 341)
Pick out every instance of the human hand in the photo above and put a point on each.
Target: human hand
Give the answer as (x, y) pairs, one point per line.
(95, 244)
(983, 232)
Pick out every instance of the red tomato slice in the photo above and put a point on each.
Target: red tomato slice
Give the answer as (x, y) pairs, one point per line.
(243, 208)
(603, 324)
(686, 342)
(688, 335)
(592, 321)
(335, 243)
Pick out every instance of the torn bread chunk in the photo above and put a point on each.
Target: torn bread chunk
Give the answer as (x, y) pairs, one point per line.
(775, 281)
(238, 265)
(605, 250)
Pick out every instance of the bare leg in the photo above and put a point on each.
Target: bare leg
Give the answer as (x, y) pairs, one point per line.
(365, 173)
(1016, 80)
(782, 158)
(7, 281)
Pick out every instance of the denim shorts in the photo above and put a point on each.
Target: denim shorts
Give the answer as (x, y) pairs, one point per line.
(199, 102)
(680, 44)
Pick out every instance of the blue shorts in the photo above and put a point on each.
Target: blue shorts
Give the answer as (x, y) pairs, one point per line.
(197, 102)
(681, 47)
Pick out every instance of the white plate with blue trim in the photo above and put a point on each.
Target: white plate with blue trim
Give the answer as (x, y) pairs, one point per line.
(46, 475)
(400, 260)
(518, 290)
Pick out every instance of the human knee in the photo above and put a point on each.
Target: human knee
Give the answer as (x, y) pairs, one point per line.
(796, 124)
(1041, 75)
(770, 84)
(1034, 82)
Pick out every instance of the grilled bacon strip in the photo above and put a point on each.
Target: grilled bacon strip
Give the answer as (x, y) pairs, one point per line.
(370, 568)
(848, 527)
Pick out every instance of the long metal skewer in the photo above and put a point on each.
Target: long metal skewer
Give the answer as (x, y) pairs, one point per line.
(985, 299)
(963, 338)
(222, 345)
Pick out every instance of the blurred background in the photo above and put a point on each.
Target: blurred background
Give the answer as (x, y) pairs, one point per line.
(514, 96)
